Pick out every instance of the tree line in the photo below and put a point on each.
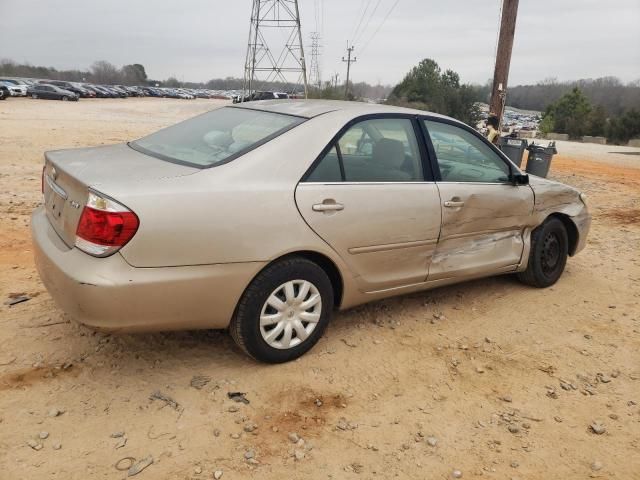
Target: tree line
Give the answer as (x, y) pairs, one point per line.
(609, 92)
(576, 115)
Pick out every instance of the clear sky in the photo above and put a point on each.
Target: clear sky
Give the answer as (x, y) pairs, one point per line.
(202, 39)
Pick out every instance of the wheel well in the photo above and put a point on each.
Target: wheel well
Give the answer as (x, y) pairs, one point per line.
(572, 230)
(329, 268)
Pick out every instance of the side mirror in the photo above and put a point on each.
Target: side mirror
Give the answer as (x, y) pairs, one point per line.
(520, 179)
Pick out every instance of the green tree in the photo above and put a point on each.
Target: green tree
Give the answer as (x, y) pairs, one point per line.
(426, 87)
(597, 121)
(570, 114)
(134, 74)
(171, 82)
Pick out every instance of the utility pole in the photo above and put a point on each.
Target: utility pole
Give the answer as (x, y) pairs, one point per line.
(314, 70)
(503, 58)
(271, 22)
(349, 61)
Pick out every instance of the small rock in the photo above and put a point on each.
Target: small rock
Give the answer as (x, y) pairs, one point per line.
(136, 468)
(121, 443)
(456, 474)
(298, 455)
(216, 432)
(479, 369)
(217, 475)
(558, 419)
(513, 428)
(613, 416)
(515, 464)
(232, 409)
(293, 437)
(44, 435)
(34, 444)
(200, 381)
(250, 427)
(55, 412)
(57, 446)
(595, 466)
(432, 441)
(235, 436)
(117, 434)
(318, 402)
(249, 454)
(506, 398)
(597, 428)
(197, 470)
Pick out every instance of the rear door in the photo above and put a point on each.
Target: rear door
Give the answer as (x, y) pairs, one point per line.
(368, 197)
(483, 212)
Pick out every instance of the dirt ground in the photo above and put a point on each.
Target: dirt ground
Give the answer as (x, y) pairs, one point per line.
(490, 377)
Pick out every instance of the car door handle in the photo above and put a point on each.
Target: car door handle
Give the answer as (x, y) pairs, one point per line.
(453, 204)
(328, 206)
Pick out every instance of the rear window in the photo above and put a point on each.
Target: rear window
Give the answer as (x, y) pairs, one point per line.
(216, 137)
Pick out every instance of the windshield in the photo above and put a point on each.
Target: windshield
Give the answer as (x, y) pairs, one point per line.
(216, 137)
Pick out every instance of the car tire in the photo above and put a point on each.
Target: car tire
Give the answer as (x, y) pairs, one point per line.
(34, 95)
(65, 98)
(277, 335)
(548, 255)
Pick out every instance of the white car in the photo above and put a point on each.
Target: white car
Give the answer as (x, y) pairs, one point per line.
(17, 88)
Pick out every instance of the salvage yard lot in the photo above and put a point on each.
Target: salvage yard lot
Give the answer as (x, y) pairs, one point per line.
(490, 377)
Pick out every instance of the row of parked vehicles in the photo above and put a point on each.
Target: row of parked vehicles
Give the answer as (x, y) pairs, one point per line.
(73, 91)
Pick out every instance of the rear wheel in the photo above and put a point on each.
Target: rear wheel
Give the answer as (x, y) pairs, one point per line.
(284, 311)
(34, 95)
(548, 256)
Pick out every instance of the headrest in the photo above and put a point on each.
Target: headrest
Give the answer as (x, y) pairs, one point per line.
(388, 152)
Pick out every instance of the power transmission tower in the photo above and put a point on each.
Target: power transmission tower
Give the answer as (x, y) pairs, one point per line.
(349, 61)
(503, 58)
(271, 21)
(314, 71)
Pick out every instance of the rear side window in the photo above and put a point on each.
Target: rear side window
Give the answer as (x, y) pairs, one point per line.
(215, 137)
(377, 150)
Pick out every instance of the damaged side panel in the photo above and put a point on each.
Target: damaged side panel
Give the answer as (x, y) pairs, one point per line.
(483, 229)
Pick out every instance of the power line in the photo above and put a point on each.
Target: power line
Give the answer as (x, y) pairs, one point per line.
(364, 13)
(364, 29)
(379, 26)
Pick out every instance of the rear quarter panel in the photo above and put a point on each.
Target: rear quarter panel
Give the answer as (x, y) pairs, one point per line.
(242, 211)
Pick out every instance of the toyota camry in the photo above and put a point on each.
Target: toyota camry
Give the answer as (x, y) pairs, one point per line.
(265, 218)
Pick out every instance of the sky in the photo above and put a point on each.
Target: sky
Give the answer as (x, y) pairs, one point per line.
(196, 40)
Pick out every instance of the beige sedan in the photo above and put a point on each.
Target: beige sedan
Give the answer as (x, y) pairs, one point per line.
(266, 217)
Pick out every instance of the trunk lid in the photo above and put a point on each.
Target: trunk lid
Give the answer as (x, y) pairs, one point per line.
(68, 175)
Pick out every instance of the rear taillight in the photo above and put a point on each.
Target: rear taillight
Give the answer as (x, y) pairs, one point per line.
(105, 226)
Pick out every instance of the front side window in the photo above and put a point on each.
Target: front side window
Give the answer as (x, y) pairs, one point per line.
(216, 136)
(463, 157)
(377, 150)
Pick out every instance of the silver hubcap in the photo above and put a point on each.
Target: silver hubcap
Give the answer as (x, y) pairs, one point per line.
(290, 314)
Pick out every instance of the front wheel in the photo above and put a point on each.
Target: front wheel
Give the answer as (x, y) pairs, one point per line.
(34, 95)
(548, 256)
(65, 98)
(284, 311)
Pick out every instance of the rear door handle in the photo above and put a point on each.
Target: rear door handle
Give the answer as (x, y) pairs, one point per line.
(453, 204)
(328, 206)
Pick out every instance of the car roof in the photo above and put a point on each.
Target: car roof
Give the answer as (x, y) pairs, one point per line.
(313, 108)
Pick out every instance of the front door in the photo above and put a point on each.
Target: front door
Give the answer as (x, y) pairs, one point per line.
(368, 198)
(483, 212)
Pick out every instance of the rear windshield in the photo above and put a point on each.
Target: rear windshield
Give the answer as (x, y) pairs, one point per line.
(216, 137)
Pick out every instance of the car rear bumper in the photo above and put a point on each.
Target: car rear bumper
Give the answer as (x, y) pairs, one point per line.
(109, 294)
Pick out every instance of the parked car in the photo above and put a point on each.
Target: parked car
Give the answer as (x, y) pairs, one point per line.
(265, 218)
(51, 92)
(17, 88)
(4, 91)
(69, 86)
